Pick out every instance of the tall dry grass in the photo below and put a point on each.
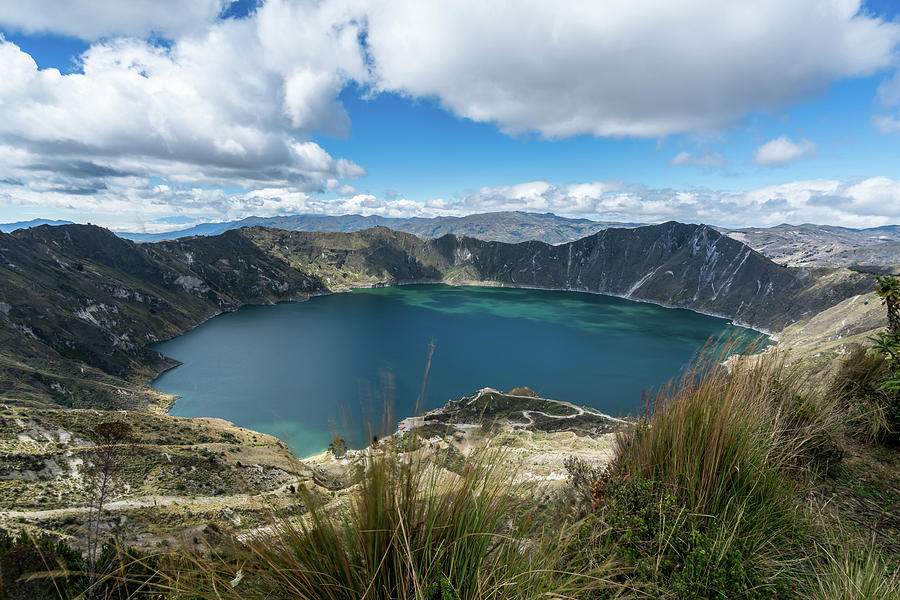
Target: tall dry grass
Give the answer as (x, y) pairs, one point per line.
(853, 574)
(857, 385)
(728, 442)
(408, 531)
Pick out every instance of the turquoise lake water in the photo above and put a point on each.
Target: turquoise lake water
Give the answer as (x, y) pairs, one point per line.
(307, 371)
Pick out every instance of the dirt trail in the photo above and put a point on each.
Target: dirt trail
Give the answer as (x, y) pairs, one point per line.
(144, 502)
(527, 413)
(140, 502)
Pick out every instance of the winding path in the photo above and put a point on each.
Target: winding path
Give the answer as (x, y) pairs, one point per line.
(579, 411)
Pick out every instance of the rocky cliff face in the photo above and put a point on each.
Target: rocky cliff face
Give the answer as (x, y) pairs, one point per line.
(673, 264)
(76, 297)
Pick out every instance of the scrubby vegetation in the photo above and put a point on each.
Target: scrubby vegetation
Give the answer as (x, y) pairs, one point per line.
(747, 478)
(884, 381)
(39, 568)
(708, 496)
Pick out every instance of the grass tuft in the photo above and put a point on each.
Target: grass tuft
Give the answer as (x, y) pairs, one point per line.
(857, 387)
(853, 574)
(722, 440)
(409, 531)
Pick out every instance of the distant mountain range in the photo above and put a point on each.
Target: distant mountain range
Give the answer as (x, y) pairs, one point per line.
(809, 244)
(8, 227)
(887, 253)
(791, 245)
(510, 227)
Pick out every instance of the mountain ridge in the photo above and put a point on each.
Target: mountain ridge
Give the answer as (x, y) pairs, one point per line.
(807, 244)
(10, 227)
(817, 245)
(622, 262)
(77, 295)
(503, 226)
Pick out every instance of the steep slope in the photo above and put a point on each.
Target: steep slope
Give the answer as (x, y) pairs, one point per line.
(673, 264)
(78, 305)
(78, 296)
(510, 226)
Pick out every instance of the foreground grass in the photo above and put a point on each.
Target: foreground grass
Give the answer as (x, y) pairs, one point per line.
(709, 496)
(410, 531)
(853, 574)
(706, 496)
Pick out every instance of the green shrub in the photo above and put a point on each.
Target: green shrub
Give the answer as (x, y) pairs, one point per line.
(338, 447)
(887, 343)
(666, 550)
(700, 499)
(38, 568)
(43, 569)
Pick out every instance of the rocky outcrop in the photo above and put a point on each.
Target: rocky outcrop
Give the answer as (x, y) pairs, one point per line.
(517, 409)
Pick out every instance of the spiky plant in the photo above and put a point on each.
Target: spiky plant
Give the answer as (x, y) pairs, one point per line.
(888, 288)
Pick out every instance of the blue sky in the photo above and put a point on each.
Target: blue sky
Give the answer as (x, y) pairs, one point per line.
(418, 148)
(627, 112)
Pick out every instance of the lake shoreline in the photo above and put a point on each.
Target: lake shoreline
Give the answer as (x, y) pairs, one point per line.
(772, 336)
(630, 325)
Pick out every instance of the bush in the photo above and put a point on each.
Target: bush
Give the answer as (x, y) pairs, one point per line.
(887, 343)
(338, 447)
(700, 500)
(38, 569)
(43, 569)
(669, 550)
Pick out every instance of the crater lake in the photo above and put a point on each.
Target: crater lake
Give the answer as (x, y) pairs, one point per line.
(308, 371)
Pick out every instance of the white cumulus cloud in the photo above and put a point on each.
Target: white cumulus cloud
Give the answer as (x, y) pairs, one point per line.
(783, 150)
(92, 19)
(647, 69)
(131, 203)
(143, 131)
(235, 105)
(709, 159)
(866, 203)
